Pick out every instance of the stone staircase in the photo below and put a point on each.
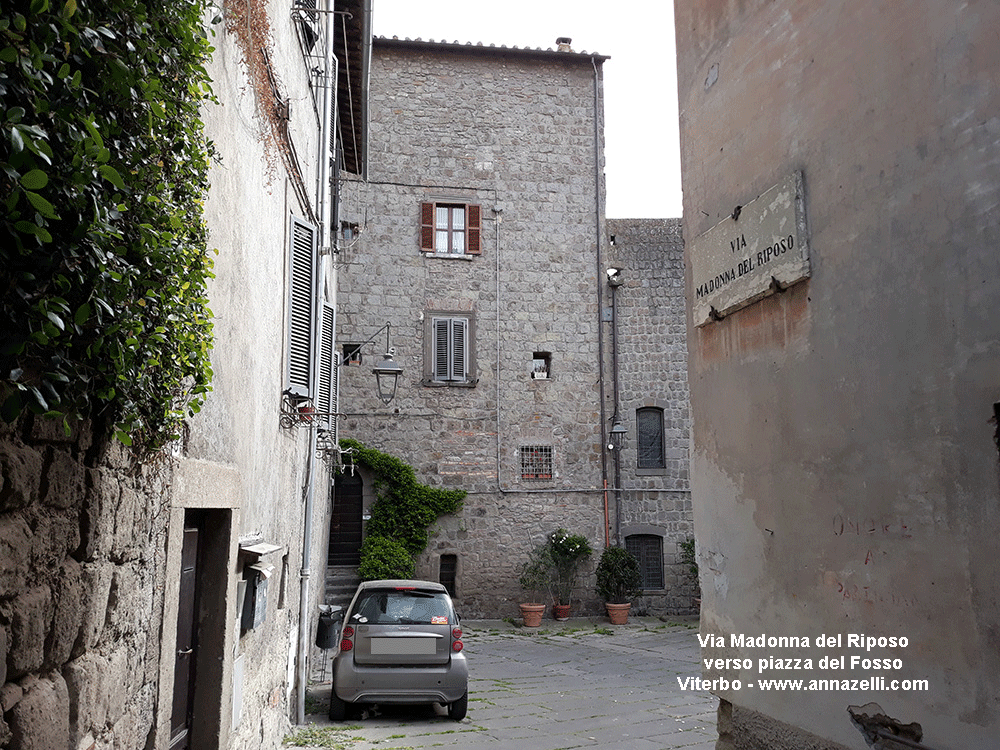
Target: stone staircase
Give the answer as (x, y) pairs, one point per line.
(341, 583)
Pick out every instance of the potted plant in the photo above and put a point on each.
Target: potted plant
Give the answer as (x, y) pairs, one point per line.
(618, 582)
(567, 553)
(687, 556)
(534, 579)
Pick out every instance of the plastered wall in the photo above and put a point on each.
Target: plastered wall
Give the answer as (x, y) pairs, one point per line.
(844, 462)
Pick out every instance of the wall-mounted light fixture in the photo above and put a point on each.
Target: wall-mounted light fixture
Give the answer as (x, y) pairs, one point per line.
(387, 373)
(617, 436)
(300, 411)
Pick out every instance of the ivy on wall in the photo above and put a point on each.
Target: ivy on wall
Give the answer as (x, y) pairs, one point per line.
(403, 511)
(103, 258)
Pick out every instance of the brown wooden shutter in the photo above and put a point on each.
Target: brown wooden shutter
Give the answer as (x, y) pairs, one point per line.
(427, 227)
(474, 246)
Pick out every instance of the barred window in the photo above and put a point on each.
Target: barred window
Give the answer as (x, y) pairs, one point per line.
(536, 462)
(648, 550)
(649, 438)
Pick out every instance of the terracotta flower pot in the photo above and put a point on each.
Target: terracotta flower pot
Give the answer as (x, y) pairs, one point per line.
(560, 612)
(532, 614)
(618, 612)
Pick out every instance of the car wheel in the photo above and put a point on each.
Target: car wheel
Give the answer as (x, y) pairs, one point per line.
(338, 708)
(458, 709)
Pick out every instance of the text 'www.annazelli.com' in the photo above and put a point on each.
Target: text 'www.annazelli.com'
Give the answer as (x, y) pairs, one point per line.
(876, 683)
(827, 653)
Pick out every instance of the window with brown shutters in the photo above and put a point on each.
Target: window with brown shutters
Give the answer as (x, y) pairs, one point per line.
(449, 348)
(451, 228)
(301, 317)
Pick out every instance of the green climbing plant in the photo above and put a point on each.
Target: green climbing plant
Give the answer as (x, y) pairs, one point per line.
(404, 508)
(103, 247)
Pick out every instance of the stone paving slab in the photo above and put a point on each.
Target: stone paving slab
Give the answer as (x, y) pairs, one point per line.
(578, 684)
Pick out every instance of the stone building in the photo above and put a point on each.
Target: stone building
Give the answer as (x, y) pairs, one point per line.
(168, 604)
(479, 236)
(840, 170)
(648, 369)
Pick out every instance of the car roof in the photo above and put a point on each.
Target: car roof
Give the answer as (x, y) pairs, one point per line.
(402, 583)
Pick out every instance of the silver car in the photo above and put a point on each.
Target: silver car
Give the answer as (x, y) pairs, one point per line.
(400, 642)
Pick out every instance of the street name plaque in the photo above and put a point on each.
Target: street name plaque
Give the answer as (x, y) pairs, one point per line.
(761, 249)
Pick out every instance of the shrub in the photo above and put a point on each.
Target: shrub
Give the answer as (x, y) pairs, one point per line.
(618, 577)
(103, 173)
(567, 553)
(382, 557)
(536, 574)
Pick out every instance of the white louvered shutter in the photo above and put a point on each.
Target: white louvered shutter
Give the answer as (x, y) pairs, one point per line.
(302, 267)
(324, 395)
(442, 334)
(459, 348)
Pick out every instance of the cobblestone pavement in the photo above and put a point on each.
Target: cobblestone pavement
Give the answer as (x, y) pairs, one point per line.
(578, 684)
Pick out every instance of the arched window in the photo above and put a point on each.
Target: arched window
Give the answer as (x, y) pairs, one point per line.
(649, 438)
(648, 550)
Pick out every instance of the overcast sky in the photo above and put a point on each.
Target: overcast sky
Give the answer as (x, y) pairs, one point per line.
(640, 80)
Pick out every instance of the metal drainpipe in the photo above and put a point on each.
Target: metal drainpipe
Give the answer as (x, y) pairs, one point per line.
(616, 453)
(323, 209)
(600, 296)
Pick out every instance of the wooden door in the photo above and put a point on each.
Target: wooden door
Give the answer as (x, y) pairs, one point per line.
(187, 642)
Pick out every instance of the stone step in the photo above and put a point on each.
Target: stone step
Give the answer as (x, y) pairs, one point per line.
(341, 583)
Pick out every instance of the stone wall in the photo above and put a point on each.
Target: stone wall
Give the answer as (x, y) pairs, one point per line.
(514, 132)
(82, 535)
(652, 372)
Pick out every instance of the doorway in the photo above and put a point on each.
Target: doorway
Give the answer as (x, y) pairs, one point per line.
(345, 524)
(187, 632)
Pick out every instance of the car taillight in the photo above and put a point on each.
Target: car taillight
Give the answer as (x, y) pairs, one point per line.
(456, 643)
(346, 644)
(456, 633)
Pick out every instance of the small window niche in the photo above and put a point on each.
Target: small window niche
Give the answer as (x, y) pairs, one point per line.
(541, 366)
(348, 231)
(448, 574)
(352, 355)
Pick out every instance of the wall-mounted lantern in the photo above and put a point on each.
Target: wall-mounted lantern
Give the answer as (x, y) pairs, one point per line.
(617, 436)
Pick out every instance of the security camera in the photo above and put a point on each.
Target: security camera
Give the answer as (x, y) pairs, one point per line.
(612, 272)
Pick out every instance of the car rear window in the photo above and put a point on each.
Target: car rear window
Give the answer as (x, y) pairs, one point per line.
(402, 607)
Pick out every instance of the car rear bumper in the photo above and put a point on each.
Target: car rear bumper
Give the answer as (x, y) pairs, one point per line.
(356, 683)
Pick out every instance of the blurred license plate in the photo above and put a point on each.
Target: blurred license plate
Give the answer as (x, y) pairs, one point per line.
(405, 646)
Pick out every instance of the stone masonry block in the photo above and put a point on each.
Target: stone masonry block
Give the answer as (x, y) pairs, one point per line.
(10, 695)
(52, 431)
(66, 623)
(20, 472)
(63, 481)
(95, 589)
(31, 615)
(3, 655)
(87, 682)
(40, 721)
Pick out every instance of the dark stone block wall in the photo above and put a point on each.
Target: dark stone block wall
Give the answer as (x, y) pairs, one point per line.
(652, 371)
(520, 134)
(82, 535)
